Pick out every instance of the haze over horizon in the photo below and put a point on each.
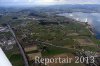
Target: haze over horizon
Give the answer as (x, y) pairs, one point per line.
(45, 2)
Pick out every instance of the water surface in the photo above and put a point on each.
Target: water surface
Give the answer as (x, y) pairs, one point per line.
(92, 18)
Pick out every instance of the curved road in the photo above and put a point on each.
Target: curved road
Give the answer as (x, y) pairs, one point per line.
(20, 47)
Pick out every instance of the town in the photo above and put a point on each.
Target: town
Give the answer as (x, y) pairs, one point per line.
(38, 32)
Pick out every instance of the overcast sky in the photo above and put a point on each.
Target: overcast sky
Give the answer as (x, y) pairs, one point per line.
(47, 2)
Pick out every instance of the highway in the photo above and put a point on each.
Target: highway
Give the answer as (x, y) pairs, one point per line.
(23, 53)
(20, 47)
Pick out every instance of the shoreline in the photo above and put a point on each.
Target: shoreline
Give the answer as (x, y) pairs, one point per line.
(91, 29)
(88, 26)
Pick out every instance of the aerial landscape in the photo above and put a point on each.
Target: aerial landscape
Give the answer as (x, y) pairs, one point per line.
(49, 33)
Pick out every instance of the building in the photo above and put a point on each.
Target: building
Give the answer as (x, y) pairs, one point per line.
(3, 29)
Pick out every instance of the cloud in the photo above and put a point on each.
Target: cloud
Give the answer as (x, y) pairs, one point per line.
(82, 1)
(47, 2)
(71, 1)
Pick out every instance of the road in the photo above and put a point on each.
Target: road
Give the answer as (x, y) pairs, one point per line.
(65, 48)
(20, 47)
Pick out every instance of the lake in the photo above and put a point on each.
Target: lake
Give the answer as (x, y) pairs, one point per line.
(92, 18)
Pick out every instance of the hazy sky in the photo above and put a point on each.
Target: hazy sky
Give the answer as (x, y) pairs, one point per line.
(47, 2)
